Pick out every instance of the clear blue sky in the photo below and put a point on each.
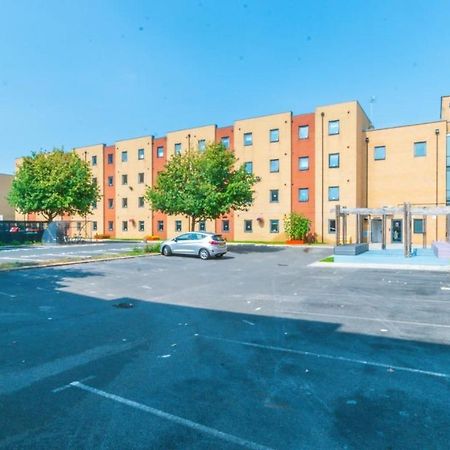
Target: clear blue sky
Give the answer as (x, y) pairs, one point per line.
(75, 73)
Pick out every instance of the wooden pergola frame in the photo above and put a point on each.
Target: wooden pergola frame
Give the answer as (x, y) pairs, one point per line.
(407, 211)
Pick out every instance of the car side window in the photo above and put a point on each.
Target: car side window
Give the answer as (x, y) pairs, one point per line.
(183, 237)
(199, 236)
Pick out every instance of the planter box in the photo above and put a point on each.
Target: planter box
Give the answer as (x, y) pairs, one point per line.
(351, 249)
(295, 242)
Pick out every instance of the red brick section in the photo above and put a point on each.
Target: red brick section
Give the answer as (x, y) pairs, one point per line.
(158, 166)
(303, 178)
(109, 215)
(228, 235)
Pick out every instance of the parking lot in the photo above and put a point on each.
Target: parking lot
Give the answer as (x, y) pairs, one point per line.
(54, 252)
(256, 350)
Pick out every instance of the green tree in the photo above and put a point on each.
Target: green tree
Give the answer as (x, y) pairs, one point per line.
(202, 186)
(53, 184)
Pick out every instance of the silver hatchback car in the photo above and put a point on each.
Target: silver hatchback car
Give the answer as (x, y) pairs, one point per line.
(199, 243)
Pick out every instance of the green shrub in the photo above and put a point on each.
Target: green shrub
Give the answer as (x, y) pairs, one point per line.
(296, 226)
(154, 248)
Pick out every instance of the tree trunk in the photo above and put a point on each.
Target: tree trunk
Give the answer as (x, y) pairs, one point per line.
(192, 224)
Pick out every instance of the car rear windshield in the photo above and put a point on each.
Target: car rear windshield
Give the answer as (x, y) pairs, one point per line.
(218, 237)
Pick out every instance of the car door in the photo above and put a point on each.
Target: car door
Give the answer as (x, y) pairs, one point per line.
(181, 244)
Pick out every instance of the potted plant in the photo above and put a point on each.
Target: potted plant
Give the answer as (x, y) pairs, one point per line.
(297, 227)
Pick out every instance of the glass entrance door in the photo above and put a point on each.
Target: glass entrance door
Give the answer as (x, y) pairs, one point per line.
(397, 230)
(376, 225)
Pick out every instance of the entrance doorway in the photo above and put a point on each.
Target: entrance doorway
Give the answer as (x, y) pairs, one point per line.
(376, 232)
(397, 230)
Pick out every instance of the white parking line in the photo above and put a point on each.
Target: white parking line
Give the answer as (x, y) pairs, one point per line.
(332, 357)
(176, 419)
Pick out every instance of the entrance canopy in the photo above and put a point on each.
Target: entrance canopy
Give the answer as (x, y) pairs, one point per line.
(406, 211)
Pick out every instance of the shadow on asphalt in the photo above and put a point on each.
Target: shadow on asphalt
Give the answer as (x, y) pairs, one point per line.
(275, 398)
(243, 248)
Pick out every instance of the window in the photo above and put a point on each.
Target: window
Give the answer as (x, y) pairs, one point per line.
(225, 141)
(125, 225)
(333, 193)
(94, 160)
(303, 132)
(274, 196)
(274, 135)
(124, 179)
(274, 165)
(177, 225)
(418, 226)
(124, 202)
(140, 177)
(141, 225)
(202, 226)
(160, 225)
(110, 158)
(225, 226)
(110, 181)
(275, 226)
(110, 203)
(110, 225)
(303, 163)
(124, 156)
(177, 148)
(248, 227)
(331, 226)
(248, 167)
(248, 138)
(141, 153)
(201, 145)
(420, 149)
(333, 160)
(333, 127)
(160, 152)
(379, 153)
(140, 202)
(303, 195)
(94, 226)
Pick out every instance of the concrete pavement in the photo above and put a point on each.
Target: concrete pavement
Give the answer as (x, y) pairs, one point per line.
(257, 350)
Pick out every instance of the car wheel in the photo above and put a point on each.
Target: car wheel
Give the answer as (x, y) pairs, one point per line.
(166, 251)
(203, 253)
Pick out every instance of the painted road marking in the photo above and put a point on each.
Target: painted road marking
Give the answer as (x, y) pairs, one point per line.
(175, 419)
(332, 357)
(20, 379)
(67, 386)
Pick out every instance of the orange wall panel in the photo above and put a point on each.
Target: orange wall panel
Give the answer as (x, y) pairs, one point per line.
(228, 235)
(109, 191)
(303, 178)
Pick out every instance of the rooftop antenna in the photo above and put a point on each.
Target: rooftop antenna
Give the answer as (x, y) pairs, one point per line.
(372, 100)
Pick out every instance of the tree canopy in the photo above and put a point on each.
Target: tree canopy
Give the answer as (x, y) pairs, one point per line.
(202, 185)
(53, 184)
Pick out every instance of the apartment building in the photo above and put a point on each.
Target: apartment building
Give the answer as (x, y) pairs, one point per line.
(306, 163)
(6, 211)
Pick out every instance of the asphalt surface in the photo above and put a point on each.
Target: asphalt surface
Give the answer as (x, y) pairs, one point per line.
(43, 253)
(255, 350)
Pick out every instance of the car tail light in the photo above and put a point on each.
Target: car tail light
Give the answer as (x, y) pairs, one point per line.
(214, 242)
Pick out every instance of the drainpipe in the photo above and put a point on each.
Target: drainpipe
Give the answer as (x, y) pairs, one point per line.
(322, 114)
(367, 172)
(85, 216)
(436, 132)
